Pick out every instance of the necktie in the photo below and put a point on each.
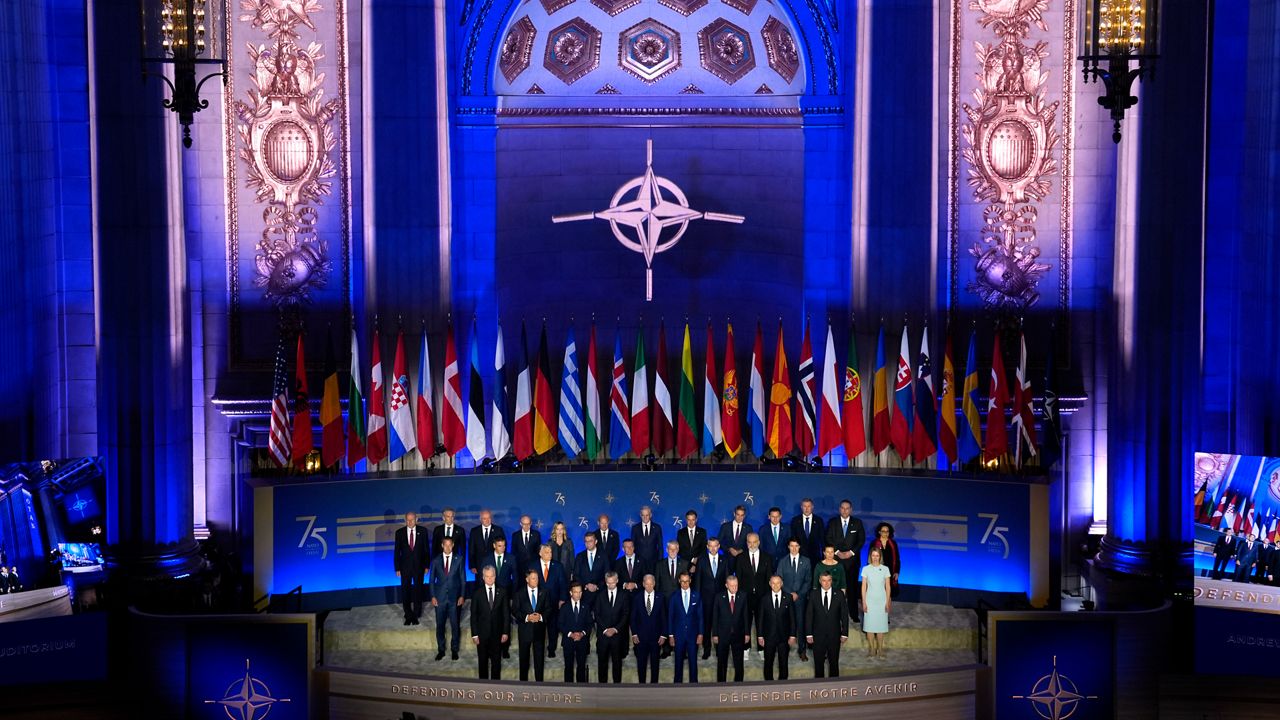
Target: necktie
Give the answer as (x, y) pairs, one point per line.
(591, 561)
(730, 604)
(648, 603)
(631, 565)
(411, 534)
(826, 599)
(490, 594)
(486, 534)
(690, 536)
(777, 601)
(499, 568)
(646, 529)
(806, 527)
(736, 529)
(526, 538)
(713, 564)
(575, 607)
(610, 597)
(446, 564)
(795, 564)
(845, 523)
(544, 571)
(754, 568)
(673, 567)
(604, 537)
(686, 601)
(533, 598)
(775, 535)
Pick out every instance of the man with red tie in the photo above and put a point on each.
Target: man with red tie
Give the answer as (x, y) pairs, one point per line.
(411, 556)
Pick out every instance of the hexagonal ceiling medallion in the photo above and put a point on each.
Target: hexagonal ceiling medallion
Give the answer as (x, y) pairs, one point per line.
(725, 50)
(684, 7)
(613, 7)
(517, 48)
(553, 5)
(780, 48)
(649, 50)
(573, 50)
(744, 6)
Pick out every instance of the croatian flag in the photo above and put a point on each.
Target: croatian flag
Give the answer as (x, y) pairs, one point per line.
(402, 436)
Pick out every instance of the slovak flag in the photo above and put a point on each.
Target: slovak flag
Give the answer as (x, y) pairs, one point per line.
(402, 436)
(900, 422)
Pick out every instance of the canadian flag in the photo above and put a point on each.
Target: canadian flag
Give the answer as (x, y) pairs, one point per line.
(1216, 521)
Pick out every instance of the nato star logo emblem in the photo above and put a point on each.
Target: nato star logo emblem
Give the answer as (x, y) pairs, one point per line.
(79, 505)
(247, 698)
(704, 498)
(1055, 696)
(609, 498)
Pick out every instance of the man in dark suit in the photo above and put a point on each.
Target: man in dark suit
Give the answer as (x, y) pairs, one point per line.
(733, 533)
(589, 569)
(754, 570)
(684, 623)
(608, 540)
(1266, 563)
(525, 542)
(575, 629)
(709, 582)
(668, 571)
(504, 565)
(647, 535)
(631, 571)
(448, 529)
(797, 578)
(729, 629)
(612, 611)
(692, 540)
(828, 628)
(555, 581)
(447, 586)
(490, 624)
(1246, 558)
(482, 539)
(774, 536)
(648, 628)
(846, 534)
(810, 530)
(530, 608)
(777, 628)
(1224, 549)
(411, 559)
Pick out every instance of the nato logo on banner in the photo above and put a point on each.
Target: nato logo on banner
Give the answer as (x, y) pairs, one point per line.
(1053, 668)
(248, 670)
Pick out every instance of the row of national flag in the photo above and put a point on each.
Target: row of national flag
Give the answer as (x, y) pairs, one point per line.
(917, 415)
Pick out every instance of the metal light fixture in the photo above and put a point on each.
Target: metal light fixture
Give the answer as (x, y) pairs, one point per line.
(185, 34)
(1119, 44)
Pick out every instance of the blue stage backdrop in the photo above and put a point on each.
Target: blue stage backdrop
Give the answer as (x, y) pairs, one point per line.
(1053, 665)
(960, 533)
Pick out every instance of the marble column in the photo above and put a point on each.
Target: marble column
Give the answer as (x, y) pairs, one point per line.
(142, 294)
(1154, 392)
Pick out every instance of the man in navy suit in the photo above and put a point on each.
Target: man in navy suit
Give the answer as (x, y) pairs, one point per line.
(733, 533)
(448, 529)
(846, 534)
(797, 578)
(575, 630)
(810, 530)
(691, 539)
(530, 607)
(608, 540)
(729, 629)
(524, 542)
(589, 569)
(827, 626)
(1224, 549)
(1247, 557)
(777, 628)
(490, 624)
(715, 568)
(647, 536)
(446, 594)
(482, 539)
(504, 564)
(612, 610)
(774, 536)
(556, 584)
(411, 556)
(684, 622)
(631, 571)
(648, 628)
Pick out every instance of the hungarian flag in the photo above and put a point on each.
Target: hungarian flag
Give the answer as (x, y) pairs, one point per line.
(619, 406)
(971, 431)
(402, 436)
(880, 400)
(855, 429)
(758, 398)
(302, 440)
(544, 403)
(278, 438)
(947, 398)
(997, 443)
(640, 401)
(593, 421)
(522, 426)
(332, 443)
(355, 407)
(499, 438)
(712, 435)
(730, 417)
(475, 402)
(1051, 450)
(663, 428)
(830, 434)
(805, 432)
(426, 400)
(377, 442)
(780, 441)
(570, 401)
(452, 423)
(900, 421)
(924, 432)
(686, 419)
(1024, 417)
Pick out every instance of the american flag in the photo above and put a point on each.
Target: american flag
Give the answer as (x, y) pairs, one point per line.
(278, 442)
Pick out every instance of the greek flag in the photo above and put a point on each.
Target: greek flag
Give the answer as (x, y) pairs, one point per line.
(571, 433)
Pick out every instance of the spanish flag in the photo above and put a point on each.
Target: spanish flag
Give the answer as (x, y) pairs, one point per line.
(779, 434)
(947, 428)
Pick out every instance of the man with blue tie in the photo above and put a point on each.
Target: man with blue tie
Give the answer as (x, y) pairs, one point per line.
(575, 629)
(647, 536)
(774, 536)
(810, 530)
(714, 569)
(684, 620)
(589, 569)
(648, 628)
(446, 594)
(797, 577)
(531, 606)
(555, 583)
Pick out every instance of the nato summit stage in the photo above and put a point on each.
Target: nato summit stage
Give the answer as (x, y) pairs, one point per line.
(409, 359)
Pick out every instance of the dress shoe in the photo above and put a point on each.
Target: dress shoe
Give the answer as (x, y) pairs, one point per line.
(551, 652)
(415, 621)
(506, 655)
(706, 654)
(804, 656)
(439, 655)
(454, 655)
(407, 621)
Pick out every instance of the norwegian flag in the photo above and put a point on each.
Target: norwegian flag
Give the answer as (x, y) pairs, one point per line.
(804, 435)
(279, 444)
(1216, 521)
